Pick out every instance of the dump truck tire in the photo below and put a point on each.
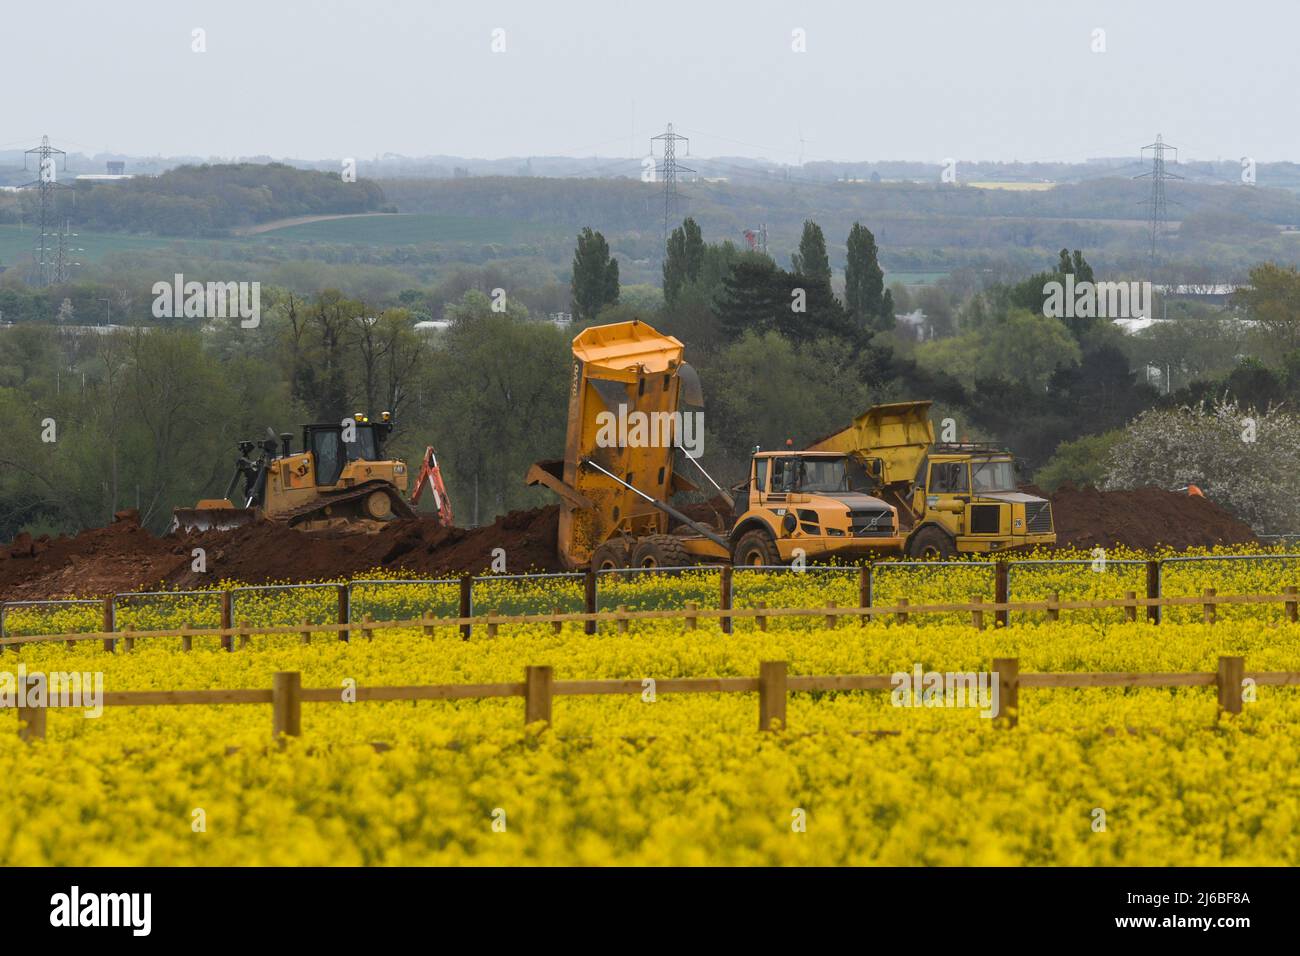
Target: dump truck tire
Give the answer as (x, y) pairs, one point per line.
(931, 543)
(611, 555)
(660, 551)
(755, 548)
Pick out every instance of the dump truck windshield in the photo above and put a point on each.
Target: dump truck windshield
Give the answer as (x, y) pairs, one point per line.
(993, 475)
(810, 475)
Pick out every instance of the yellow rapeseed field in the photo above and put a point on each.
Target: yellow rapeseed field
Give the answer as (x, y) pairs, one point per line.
(1089, 777)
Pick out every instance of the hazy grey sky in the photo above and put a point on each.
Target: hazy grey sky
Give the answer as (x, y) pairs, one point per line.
(926, 80)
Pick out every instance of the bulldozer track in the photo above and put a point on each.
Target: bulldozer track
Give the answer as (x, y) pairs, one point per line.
(328, 499)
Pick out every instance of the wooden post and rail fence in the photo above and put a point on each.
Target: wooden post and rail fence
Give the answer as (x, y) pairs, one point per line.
(237, 634)
(774, 684)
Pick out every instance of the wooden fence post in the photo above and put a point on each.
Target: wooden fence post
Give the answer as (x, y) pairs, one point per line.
(902, 615)
(771, 695)
(1002, 591)
(466, 603)
(31, 723)
(1054, 609)
(1208, 609)
(537, 694)
(1291, 603)
(762, 618)
(864, 591)
(724, 597)
(557, 626)
(306, 631)
(832, 620)
(589, 600)
(367, 631)
(1006, 671)
(187, 641)
(1131, 609)
(244, 636)
(692, 622)
(492, 623)
(108, 624)
(227, 615)
(977, 616)
(622, 621)
(1232, 670)
(427, 616)
(1153, 591)
(128, 644)
(345, 611)
(286, 703)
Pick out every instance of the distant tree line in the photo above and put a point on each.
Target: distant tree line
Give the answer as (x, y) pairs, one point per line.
(211, 200)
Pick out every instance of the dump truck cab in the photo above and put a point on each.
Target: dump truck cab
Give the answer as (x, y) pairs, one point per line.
(969, 493)
(951, 497)
(809, 504)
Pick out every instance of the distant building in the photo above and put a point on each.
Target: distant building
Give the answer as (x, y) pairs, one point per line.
(115, 167)
(915, 321)
(1214, 293)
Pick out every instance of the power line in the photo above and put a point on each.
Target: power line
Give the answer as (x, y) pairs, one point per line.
(669, 168)
(1159, 205)
(49, 262)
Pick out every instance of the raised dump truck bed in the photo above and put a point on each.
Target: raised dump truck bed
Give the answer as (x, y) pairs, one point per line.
(632, 400)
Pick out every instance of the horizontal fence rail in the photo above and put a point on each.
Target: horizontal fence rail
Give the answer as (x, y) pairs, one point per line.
(691, 614)
(773, 685)
(477, 599)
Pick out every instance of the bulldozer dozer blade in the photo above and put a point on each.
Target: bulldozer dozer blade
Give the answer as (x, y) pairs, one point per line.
(211, 519)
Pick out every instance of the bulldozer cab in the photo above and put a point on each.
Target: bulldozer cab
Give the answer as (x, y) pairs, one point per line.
(332, 451)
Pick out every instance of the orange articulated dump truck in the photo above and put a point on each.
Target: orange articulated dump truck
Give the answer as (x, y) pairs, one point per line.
(631, 400)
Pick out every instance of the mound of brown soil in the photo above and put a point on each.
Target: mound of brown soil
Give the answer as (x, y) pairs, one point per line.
(126, 557)
(1141, 518)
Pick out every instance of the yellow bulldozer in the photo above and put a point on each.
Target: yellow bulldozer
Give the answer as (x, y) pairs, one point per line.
(615, 483)
(951, 497)
(340, 480)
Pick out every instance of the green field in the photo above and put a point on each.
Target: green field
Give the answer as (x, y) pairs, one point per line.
(409, 229)
(16, 243)
(914, 278)
(378, 230)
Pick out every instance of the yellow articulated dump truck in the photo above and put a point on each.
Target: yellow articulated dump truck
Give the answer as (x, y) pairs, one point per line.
(951, 498)
(634, 405)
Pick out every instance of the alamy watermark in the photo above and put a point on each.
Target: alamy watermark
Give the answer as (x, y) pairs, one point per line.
(55, 689)
(211, 300)
(638, 429)
(1101, 300)
(923, 688)
(130, 910)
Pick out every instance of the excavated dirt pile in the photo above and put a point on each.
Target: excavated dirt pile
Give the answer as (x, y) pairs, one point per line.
(125, 557)
(1140, 518)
